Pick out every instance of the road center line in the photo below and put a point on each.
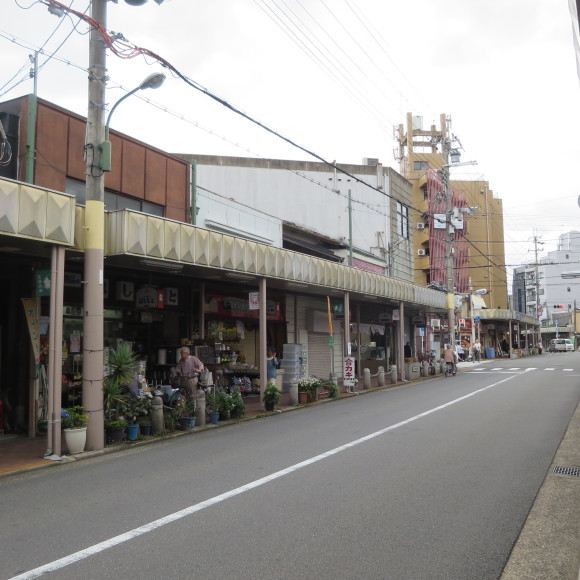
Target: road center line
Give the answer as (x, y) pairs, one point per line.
(141, 530)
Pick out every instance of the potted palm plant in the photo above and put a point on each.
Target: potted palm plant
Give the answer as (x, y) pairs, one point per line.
(74, 422)
(122, 368)
(271, 397)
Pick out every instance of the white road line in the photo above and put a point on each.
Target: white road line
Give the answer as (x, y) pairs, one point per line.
(549, 369)
(135, 533)
(514, 369)
(567, 370)
(497, 369)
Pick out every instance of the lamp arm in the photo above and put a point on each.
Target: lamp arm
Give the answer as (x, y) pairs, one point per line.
(114, 107)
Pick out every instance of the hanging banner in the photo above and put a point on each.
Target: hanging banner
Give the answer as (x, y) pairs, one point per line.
(31, 311)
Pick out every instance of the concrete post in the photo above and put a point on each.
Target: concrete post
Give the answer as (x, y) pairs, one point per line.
(293, 392)
(393, 374)
(366, 378)
(157, 423)
(424, 368)
(200, 409)
(381, 377)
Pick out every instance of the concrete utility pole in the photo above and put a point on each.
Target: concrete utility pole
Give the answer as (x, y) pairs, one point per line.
(94, 229)
(446, 148)
(537, 275)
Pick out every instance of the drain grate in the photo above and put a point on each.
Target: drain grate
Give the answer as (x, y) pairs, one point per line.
(574, 471)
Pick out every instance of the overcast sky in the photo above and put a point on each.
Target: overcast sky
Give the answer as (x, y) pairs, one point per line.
(336, 76)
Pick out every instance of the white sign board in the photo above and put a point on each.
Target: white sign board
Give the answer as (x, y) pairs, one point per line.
(348, 371)
(254, 300)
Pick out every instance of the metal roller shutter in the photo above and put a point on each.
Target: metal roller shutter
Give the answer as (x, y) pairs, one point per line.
(319, 355)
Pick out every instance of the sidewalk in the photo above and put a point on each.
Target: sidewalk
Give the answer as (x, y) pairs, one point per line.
(20, 453)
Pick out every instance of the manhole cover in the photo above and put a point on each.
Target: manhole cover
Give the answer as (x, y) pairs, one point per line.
(574, 471)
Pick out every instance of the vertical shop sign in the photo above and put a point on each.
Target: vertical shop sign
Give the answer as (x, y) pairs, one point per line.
(160, 298)
(254, 300)
(125, 291)
(171, 297)
(349, 378)
(31, 312)
(43, 282)
(396, 314)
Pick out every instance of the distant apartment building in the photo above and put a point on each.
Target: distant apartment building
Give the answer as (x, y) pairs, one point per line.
(540, 290)
(478, 239)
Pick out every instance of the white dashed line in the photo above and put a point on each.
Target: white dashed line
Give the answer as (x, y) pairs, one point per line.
(550, 369)
(514, 369)
(567, 370)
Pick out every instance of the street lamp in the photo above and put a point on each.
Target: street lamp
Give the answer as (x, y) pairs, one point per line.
(153, 81)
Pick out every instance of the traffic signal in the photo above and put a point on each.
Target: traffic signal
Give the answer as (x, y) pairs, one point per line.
(558, 306)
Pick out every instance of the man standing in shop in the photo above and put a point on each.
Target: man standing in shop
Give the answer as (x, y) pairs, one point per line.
(187, 370)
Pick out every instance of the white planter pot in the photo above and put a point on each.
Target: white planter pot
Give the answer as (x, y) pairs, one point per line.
(75, 440)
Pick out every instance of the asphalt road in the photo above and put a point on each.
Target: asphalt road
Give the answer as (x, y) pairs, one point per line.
(428, 480)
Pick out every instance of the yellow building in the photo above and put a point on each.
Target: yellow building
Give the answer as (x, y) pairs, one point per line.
(423, 152)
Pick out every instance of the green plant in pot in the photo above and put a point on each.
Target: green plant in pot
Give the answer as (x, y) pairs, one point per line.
(226, 405)
(309, 385)
(115, 430)
(74, 422)
(122, 368)
(239, 408)
(212, 405)
(271, 397)
(74, 418)
(333, 390)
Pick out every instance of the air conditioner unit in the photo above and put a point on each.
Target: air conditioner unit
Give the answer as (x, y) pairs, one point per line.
(421, 252)
(420, 226)
(435, 323)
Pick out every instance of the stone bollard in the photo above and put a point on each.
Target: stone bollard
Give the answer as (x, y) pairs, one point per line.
(200, 410)
(393, 374)
(366, 378)
(424, 369)
(293, 393)
(157, 422)
(381, 377)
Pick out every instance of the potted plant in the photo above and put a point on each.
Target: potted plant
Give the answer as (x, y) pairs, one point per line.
(145, 427)
(239, 408)
(333, 390)
(115, 430)
(271, 396)
(226, 404)
(212, 406)
(74, 422)
(309, 386)
(122, 368)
